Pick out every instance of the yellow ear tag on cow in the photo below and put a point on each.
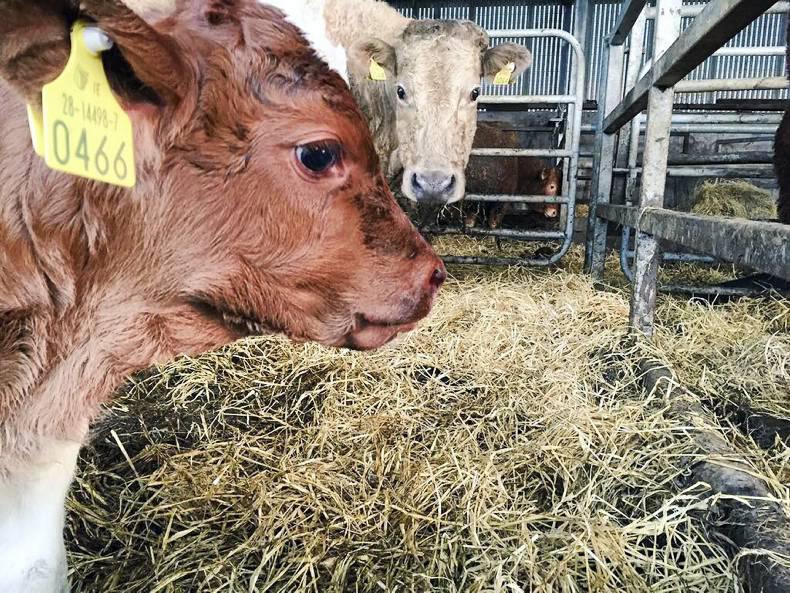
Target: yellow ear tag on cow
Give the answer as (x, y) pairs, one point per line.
(504, 75)
(36, 121)
(376, 71)
(86, 133)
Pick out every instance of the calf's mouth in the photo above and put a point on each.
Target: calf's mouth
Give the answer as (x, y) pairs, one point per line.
(362, 332)
(369, 334)
(241, 324)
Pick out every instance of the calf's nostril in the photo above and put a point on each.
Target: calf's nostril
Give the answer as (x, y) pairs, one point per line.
(415, 181)
(438, 277)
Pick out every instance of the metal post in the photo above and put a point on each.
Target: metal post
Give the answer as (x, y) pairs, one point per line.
(609, 95)
(656, 154)
(635, 66)
(626, 142)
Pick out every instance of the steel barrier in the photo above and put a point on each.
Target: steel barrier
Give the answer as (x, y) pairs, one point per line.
(570, 155)
(758, 245)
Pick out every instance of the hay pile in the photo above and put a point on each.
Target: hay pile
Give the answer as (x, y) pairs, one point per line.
(734, 198)
(506, 446)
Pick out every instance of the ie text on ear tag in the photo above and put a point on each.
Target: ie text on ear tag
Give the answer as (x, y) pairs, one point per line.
(86, 132)
(376, 71)
(503, 76)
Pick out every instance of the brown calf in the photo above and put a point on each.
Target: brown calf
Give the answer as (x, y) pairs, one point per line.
(259, 207)
(508, 175)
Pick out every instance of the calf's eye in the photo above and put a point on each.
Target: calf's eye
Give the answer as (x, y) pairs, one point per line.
(401, 93)
(318, 157)
(475, 94)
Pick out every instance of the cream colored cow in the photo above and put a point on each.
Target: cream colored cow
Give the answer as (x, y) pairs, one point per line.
(424, 115)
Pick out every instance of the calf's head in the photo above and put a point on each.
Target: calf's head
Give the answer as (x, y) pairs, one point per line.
(260, 205)
(434, 74)
(551, 185)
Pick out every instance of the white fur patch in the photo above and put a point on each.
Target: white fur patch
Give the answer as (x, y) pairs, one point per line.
(32, 516)
(308, 15)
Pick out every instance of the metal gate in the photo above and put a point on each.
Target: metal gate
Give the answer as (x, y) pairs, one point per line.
(569, 154)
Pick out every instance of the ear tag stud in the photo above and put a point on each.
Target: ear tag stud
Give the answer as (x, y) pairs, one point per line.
(503, 76)
(376, 71)
(85, 131)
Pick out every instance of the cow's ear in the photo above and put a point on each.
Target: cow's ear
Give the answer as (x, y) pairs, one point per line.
(144, 65)
(495, 59)
(360, 55)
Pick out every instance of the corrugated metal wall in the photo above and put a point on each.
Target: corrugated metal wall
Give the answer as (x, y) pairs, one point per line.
(549, 72)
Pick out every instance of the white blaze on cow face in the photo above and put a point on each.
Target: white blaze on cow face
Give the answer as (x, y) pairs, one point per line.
(32, 519)
(435, 70)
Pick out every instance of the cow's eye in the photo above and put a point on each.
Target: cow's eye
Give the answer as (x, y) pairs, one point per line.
(475, 94)
(319, 157)
(401, 93)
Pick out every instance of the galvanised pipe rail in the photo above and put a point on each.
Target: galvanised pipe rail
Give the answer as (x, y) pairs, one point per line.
(518, 199)
(732, 84)
(774, 50)
(501, 233)
(549, 152)
(526, 99)
(738, 170)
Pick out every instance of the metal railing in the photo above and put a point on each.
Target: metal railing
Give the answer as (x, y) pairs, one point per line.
(570, 155)
(719, 123)
(758, 245)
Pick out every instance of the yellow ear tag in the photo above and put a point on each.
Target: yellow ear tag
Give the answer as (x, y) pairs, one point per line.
(86, 133)
(504, 75)
(36, 121)
(376, 71)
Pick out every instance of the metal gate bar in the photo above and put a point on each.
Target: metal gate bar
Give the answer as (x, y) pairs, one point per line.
(575, 102)
(764, 246)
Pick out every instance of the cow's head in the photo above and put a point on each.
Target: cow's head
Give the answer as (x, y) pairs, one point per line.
(434, 72)
(260, 203)
(551, 185)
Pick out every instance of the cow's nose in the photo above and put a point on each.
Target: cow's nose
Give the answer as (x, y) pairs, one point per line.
(551, 211)
(433, 186)
(438, 277)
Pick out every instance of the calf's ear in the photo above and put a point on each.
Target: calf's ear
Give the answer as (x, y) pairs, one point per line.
(144, 65)
(361, 53)
(34, 43)
(496, 58)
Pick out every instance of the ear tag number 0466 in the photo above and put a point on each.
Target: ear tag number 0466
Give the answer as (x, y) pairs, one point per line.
(86, 132)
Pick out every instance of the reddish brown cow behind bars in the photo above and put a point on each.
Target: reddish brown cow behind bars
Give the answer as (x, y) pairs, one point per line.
(259, 207)
(507, 175)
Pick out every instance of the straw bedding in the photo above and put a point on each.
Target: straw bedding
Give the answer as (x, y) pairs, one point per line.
(505, 446)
